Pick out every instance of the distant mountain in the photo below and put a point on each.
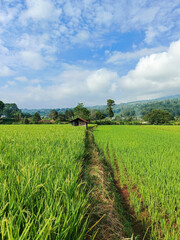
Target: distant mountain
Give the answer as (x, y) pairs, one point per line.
(177, 96)
(44, 111)
(138, 108)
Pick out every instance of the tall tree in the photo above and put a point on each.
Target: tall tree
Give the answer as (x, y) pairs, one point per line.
(36, 117)
(69, 114)
(53, 114)
(11, 110)
(61, 116)
(92, 114)
(1, 106)
(100, 115)
(110, 104)
(81, 111)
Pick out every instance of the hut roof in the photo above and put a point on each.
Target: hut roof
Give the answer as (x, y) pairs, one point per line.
(78, 118)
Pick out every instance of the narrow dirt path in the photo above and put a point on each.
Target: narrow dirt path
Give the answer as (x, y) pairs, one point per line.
(105, 219)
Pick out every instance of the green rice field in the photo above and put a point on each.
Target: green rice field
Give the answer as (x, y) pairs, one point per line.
(41, 194)
(148, 159)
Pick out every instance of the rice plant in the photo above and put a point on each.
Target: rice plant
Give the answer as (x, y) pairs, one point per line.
(41, 194)
(148, 158)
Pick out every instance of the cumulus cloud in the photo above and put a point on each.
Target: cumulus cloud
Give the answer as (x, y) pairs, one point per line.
(40, 10)
(35, 34)
(3, 50)
(72, 9)
(75, 82)
(102, 80)
(81, 37)
(7, 14)
(157, 73)
(151, 33)
(73, 85)
(118, 57)
(33, 60)
(5, 71)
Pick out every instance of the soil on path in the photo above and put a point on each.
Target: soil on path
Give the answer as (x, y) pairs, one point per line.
(106, 223)
(112, 218)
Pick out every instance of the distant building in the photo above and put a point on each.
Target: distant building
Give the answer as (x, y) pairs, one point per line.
(79, 122)
(144, 122)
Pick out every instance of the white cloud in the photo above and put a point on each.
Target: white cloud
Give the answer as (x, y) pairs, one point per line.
(35, 81)
(80, 37)
(72, 9)
(38, 44)
(73, 85)
(32, 60)
(157, 73)
(21, 79)
(102, 80)
(118, 57)
(7, 15)
(3, 49)
(143, 16)
(104, 15)
(11, 83)
(39, 33)
(6, 71)
(40, 10)
(151, 33)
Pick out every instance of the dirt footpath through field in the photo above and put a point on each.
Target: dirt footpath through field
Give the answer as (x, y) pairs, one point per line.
(106, 222)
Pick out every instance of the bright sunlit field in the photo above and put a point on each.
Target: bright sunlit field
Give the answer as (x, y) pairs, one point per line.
(41, 195)
(149, 161)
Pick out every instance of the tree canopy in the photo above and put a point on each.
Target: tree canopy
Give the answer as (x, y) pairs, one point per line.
(110, 104)
(172, 106)
(11, 110)
(81, 111)
(53, 114)
(36, 117)
(158, 117)
(1, 106)
(69, 114)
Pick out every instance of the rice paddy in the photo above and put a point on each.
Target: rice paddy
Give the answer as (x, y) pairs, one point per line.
(41, 195)
(148, 161)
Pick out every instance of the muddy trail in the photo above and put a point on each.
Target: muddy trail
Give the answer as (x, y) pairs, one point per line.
(111, 215)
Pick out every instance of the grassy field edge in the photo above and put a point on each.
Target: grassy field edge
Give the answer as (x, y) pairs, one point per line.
(108, 217)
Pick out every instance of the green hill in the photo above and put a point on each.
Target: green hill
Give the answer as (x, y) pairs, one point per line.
(137, 108)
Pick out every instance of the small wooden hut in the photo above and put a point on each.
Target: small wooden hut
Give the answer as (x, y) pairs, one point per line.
(79, 122)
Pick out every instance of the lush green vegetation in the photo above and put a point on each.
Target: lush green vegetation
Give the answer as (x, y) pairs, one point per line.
(41, 194)
(171, 105)
(148, 159)
(132, 109)
(124, 113)
(11, 110)
(158, 117)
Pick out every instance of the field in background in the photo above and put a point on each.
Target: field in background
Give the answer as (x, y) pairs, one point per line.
(41, 195)
(147, 158)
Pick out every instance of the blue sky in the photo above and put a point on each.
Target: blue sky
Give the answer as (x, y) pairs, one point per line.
(56, 53)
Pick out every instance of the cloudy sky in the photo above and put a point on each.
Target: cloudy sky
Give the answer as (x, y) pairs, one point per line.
(56, 53)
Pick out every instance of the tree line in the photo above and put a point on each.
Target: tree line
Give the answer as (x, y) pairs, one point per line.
(11, 111)
(152, 116)
(83, 112)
